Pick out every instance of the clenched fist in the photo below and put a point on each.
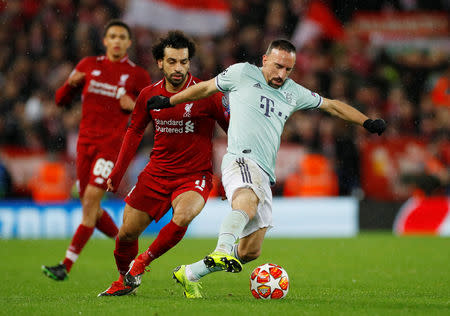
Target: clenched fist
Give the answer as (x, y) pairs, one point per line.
(375, 126)
(158, 102)
(76, 78)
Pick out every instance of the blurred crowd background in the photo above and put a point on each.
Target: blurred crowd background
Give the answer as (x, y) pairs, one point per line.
(407, 85)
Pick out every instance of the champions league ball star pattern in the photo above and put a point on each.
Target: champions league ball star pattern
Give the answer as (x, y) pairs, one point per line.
(269, 281)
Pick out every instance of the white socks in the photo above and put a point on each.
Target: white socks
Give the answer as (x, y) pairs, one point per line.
(231, 229)
(197, 270)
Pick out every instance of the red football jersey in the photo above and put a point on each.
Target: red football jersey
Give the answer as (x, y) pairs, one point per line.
(182, 142)
(103, 120)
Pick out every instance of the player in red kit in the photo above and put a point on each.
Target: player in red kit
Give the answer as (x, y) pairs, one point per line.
(109, 85)
(179, 174)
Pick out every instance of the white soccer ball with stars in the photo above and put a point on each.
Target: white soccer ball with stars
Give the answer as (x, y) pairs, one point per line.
(269, 281)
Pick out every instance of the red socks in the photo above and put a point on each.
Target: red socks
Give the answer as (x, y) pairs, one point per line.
(167, 238)
(125, 252)
(79, 240)
(106, 225)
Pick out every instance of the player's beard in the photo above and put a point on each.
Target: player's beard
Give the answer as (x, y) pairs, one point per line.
(275, 83)
(175, 82)
(117, 56)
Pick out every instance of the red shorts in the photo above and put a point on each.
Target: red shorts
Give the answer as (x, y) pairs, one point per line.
(94, 165)
(154, 194)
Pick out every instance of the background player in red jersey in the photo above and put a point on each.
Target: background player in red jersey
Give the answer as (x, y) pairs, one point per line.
(109, 84)
(180, 168)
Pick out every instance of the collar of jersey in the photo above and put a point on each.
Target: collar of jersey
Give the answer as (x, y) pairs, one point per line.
(124, 59)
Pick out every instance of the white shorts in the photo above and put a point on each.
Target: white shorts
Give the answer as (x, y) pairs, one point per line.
(245, 173)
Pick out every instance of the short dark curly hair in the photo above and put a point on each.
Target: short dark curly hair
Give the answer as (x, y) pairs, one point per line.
(116, 22)
(282, 44)
(174, 39)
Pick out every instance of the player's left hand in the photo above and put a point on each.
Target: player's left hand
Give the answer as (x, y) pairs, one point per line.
(377, 126)
(76, 78)
(158, 102)
(126, 103)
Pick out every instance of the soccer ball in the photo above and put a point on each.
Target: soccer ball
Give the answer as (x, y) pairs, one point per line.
(269, 281)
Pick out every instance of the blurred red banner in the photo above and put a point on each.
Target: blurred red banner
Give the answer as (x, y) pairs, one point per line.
(401, 24)
(196, 17)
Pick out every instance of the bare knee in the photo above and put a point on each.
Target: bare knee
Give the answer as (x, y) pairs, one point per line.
(186, 207)
(127, 235)
(91, 203)
(183, 217)
(245, 199)
(91, 209)
(134, 223)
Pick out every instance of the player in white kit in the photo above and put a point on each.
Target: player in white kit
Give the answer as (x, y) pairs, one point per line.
(261, 100)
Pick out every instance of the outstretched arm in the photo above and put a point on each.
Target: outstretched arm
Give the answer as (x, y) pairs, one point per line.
(343, 111)
(350, 114)
(199, 91)
(139, 121)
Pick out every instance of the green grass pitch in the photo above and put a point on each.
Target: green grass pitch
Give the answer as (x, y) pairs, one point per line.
(372, 274)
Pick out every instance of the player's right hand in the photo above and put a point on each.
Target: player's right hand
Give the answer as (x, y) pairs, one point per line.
(110, 186)
(158, 102)
(76, 78)
(375, 126)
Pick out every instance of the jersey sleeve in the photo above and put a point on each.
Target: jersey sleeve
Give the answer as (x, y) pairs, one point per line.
(221, 110)
(83, 65)
(139, 121)
(229, 79)
(65, 94)
(306, 99)
(142, 80)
